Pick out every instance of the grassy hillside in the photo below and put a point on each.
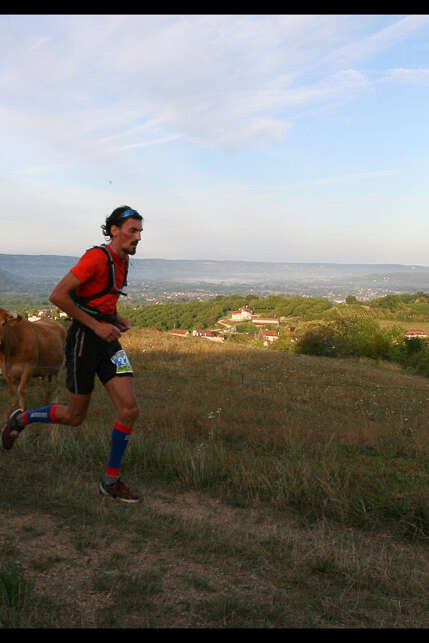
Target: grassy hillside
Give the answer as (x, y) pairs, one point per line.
(281, 490)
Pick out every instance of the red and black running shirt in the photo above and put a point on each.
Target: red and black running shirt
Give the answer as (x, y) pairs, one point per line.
(93, 272)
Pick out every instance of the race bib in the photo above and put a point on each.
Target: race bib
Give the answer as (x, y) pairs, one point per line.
(122, 363)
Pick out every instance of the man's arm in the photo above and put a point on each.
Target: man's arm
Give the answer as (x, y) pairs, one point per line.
(124, 323)
(60, 296)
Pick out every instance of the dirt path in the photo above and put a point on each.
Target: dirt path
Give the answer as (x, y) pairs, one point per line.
(188, 560)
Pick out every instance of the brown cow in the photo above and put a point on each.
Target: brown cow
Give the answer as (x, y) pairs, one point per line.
(28, 349)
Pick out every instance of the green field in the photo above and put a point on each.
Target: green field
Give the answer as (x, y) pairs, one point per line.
(423, 325)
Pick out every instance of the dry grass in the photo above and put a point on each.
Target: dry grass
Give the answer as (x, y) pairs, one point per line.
(330, 437)
(281, 491)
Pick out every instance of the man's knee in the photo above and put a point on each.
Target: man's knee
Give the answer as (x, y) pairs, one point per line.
(130, 413)
(75, 419)
(134, 411)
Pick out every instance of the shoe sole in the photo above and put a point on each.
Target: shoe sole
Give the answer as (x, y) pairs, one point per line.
(117, 498)
(1, 437)
(4, 427)
(7, 448)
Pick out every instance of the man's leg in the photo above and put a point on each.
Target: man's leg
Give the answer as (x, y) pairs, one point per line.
(74, 413)
(71, 414)
(121, 391)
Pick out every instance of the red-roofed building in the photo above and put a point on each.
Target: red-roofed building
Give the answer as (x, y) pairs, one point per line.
(415, 332)
(244, 313)
(268, 335)
(262, 321)
(214, 336)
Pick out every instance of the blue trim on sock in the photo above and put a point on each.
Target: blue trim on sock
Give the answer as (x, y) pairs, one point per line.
(119, 444)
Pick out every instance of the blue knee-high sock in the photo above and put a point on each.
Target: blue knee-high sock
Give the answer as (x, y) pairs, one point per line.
(44, 414)
(120, 438)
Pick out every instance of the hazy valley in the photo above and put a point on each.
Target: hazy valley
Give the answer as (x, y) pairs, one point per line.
(155, 280)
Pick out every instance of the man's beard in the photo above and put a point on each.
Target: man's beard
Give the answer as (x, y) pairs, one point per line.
(130, 251)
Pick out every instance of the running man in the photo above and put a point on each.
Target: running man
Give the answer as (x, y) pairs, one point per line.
(89, 294)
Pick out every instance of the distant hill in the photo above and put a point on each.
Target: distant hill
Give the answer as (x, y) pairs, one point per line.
(55, 266)
(315, 279)
(254, 271)
(36, 266)
(10, 282)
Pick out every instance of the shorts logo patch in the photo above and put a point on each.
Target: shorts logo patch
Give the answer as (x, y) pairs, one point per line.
(122, 363)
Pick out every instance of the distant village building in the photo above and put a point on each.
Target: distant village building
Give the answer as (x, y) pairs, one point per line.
(47, 314)
(263, 321)
(268, 335)
(212, 335)
(242, 314)
(415, 332)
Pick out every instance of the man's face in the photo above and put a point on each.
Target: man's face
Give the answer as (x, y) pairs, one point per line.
(126, 237)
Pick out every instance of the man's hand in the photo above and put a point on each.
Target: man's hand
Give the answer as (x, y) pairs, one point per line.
(108, 332)
(124, 324)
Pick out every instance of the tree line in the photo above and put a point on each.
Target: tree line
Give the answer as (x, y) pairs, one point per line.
(205, 314)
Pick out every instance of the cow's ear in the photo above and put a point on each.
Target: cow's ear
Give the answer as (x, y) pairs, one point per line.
(12, 319)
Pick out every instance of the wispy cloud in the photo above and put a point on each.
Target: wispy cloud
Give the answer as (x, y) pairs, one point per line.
(163, 100)
(148, 125)
(350, 177)
(410, 76)
(380, 40)
(220, 79)
(156, 141)
(223, 80)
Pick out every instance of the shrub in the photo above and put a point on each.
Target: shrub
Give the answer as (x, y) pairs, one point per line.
(379, 347)
(247, 327)
(418, 356)
(284, 343)
(319, 340)
(358, 330)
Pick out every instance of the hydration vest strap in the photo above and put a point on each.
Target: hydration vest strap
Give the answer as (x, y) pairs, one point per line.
(111, 283)
(111, 318)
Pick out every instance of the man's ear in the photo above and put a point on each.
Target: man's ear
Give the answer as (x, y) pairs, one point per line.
(114, 230)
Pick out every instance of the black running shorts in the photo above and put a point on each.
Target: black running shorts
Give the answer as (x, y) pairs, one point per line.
(87, 355)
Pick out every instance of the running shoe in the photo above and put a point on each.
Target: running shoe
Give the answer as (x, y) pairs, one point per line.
(119, 491)
(10, 431)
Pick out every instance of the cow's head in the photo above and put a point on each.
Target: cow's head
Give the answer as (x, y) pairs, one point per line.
(7, 318)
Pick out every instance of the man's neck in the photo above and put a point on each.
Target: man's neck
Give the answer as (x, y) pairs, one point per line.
(118, 251)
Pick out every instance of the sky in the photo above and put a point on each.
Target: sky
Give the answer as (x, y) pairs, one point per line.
(293, 138)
